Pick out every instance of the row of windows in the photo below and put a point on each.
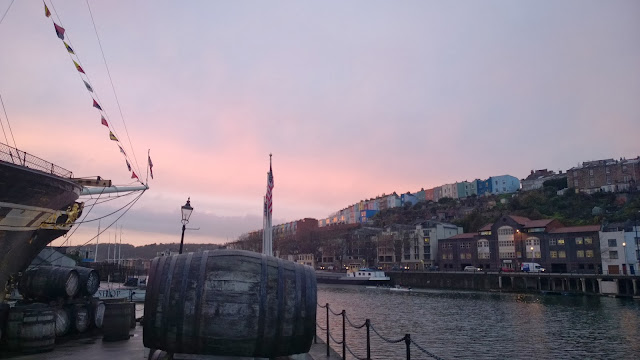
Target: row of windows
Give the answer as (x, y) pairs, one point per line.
(505, 231)
(505, 243)
(533, 255)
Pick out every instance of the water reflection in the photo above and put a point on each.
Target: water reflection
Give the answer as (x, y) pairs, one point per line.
(480, 325)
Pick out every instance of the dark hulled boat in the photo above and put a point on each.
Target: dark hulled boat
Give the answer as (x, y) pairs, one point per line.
(37, 205)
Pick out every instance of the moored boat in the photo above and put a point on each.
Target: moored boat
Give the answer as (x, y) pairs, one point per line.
(361, 276)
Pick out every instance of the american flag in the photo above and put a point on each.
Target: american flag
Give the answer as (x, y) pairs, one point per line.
(269, 190)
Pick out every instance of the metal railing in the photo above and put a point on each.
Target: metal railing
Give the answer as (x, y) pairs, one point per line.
(345, 320)
(19, 157)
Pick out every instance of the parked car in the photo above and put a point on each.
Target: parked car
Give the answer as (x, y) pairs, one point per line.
(472, 268)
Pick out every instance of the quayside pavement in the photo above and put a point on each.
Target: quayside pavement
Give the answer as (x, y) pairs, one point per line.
(93, 348)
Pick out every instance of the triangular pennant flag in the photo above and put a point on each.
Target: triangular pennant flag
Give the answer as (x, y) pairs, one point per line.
(69, 49)
(103, 121)
(150, 167)
(96, 105)
(134, 176)
(78, 67)
(47, 13)
(122, 150)
(88, 86)
(112, 137)
(128, 165)
(59, 31)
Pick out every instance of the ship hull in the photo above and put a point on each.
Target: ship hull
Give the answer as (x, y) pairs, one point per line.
(33, 212)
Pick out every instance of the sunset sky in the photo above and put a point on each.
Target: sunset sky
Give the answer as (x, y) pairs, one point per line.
(353, 99)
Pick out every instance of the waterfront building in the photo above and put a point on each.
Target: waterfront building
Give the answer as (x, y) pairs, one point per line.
(513, 240)
(605, 175)
(536, 179)
(390, 244)
(424, 252)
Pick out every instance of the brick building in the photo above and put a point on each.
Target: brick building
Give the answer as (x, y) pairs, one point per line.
(605, 175)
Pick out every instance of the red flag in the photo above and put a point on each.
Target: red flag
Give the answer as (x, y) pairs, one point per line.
(78, 67)
(47, 13)
(150, 167)
(96, 105)
(104, 122)
(59, 31)
(133, 175)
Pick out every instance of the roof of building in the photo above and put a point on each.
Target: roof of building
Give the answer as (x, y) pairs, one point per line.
(486, 227)
(538, 223)
(575, 229)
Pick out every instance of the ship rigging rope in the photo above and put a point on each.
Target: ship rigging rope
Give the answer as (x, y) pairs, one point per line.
(105, 229)
(113, 88)
(6, 11)
(95, 92)
(4, 109)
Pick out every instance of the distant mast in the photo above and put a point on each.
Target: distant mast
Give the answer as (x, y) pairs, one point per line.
(267, 233)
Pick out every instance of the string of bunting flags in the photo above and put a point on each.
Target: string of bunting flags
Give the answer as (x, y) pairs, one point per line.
(60, 32)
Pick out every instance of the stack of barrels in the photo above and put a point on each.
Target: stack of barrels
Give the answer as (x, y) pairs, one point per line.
(57, 301)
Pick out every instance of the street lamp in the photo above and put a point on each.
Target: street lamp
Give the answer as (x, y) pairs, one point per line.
(624, 261)
(186, 214)
(532, 254)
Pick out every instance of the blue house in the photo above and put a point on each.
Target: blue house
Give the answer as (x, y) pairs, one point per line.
(484, 187)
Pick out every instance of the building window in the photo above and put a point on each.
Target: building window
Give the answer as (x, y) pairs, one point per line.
(575, 183)
(613, 243)
(591, 182)
(552, 242)
(607, 170)
(589, 253)
(562, 254)
(444, 256)
(468, 256)
(588, 241)
(462, 256)
(561, 242)
(613, 254)
(427, 240)
(578, 241)
(580, 253)
(554, 254)
(590, 172)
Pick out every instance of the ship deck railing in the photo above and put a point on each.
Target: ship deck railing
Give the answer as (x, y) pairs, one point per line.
(18, 157)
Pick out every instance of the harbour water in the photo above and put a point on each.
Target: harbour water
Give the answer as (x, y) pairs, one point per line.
(480, 325)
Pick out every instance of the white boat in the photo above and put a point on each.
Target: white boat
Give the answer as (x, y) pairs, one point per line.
(369, 274)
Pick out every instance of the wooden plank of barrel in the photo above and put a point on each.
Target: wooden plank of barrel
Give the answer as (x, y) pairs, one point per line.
(49, 282)
(97, 312)
(4, 314)
(63, 323)
(117, 321)
(230, 302)
(79, 315)
(31, 328)
(133, 315)
(89, 280)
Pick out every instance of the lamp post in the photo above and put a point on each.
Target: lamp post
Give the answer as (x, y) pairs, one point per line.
(624, 261)
(186, 214)
(521, 245)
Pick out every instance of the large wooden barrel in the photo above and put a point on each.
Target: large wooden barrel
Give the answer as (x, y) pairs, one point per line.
(48, 282)
(97, 312)
(4, 314)
(80, 319)
(89, 280)
(63, 323)
(31, 328)
(230, 302)
(117, 321)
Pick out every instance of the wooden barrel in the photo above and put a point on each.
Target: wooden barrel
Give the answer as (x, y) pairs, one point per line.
(80, 319)
(31, 328)
(48, 282)
(230, 302)
(63, 323)
(89, 280)
(133, 315)
(117, 321)
(4, 314)
(97, 312)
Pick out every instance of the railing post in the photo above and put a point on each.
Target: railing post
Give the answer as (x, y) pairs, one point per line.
(368, 324)
(344, 336)
(327, 329)
(407, 340)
